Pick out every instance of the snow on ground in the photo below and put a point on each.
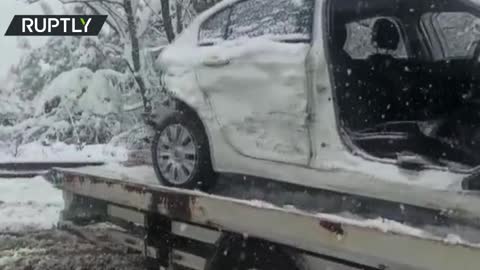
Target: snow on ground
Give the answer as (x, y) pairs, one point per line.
(62, 152)
(60, 250)
(29, 211)
(28, 204)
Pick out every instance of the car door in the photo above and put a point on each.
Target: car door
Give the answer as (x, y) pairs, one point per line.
(253, 74)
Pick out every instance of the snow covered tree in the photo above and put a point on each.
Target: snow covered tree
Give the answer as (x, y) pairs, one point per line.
(93, 89)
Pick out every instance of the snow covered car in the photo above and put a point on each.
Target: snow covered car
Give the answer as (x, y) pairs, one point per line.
(305, 90)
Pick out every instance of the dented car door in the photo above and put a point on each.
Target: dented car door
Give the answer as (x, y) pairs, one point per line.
(253, 73)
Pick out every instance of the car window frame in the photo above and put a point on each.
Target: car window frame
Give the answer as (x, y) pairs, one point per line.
(430, 36)
(404, 39)
(207, 44)
(278, 38)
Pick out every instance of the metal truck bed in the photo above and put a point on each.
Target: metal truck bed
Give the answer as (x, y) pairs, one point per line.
(95, 192)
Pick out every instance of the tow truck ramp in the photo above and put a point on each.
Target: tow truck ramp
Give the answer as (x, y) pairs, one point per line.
(180, 229)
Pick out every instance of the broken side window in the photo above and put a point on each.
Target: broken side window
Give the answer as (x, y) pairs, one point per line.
(359, 45)
(285, 18)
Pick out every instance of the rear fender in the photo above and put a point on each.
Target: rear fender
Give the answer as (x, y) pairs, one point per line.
(178, 103)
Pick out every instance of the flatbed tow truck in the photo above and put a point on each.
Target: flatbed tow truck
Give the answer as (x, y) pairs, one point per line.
(182, 229)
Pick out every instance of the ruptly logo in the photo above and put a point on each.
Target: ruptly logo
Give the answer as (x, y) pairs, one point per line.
(53, 25)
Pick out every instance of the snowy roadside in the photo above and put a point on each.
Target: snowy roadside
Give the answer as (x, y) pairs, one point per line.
(28, 204)
(29, 212)
(59, 250)
(62, 152)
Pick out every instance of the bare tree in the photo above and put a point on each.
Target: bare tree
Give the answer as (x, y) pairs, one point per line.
(132, 30)
(179, 9)
(167, 20)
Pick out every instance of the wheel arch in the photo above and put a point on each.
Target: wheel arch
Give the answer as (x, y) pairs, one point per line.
(173, 105)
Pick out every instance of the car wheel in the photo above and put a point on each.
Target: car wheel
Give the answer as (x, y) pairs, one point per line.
(181, 153)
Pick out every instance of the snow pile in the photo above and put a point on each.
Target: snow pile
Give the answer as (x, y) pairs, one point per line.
(381, 224)
(28, 204)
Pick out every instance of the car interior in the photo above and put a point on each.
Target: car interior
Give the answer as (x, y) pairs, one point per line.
(399, 89)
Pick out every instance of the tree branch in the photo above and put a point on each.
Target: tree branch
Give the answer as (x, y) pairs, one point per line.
(132, 30)
(179, 9)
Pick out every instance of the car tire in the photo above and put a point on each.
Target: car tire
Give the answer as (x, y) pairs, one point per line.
(181, 153)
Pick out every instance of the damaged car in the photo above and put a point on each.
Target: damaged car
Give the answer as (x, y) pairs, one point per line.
(305, 90)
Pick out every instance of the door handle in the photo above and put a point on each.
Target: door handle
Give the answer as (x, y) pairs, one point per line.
(216, 62)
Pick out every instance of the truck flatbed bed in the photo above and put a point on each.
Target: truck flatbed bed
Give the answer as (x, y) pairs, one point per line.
(132, 195)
